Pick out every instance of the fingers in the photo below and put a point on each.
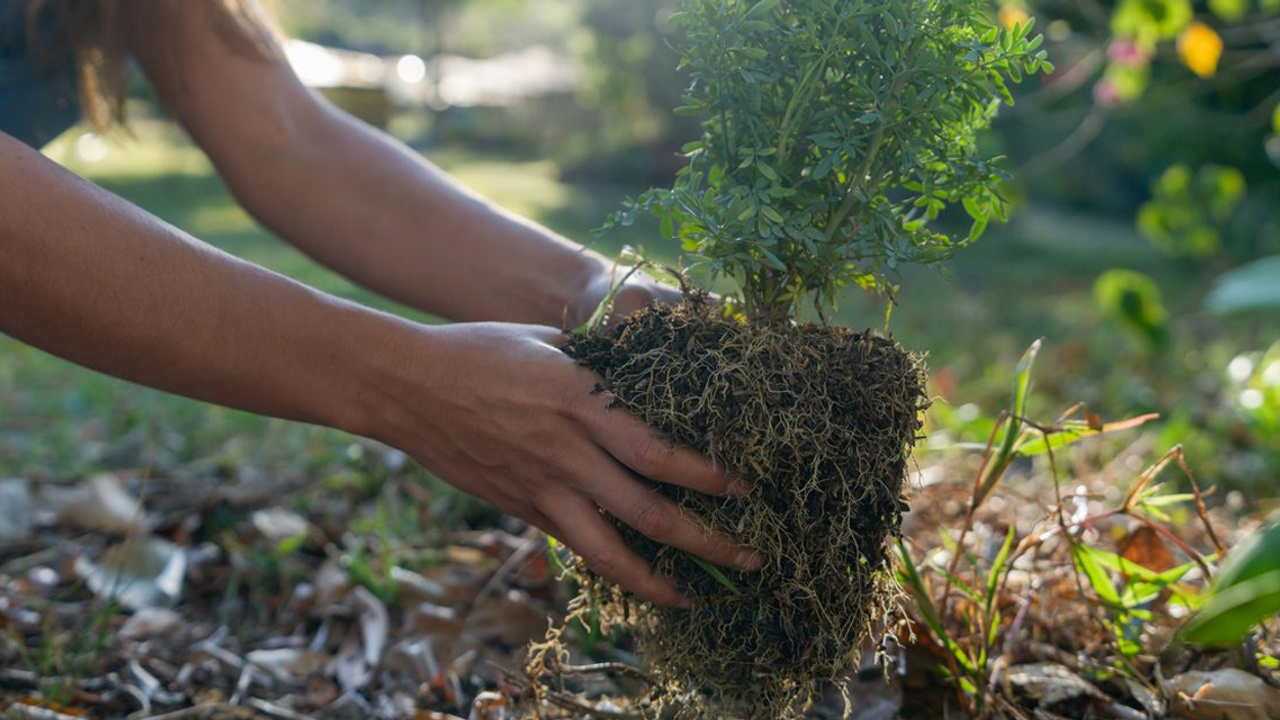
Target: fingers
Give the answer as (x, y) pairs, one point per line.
(637, 446)
(659, 519)
(601, 548)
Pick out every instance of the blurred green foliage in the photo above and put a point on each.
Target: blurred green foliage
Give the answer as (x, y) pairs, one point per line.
(1188, 212)
(1133, 301)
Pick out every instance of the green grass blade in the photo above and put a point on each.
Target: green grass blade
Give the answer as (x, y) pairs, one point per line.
(1013, 424)
(714, 572)
(997, 567)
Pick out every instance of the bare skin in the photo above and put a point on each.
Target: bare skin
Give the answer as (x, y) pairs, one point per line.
(489, 405)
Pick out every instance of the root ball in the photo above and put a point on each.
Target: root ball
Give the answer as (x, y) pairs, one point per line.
(819, 422)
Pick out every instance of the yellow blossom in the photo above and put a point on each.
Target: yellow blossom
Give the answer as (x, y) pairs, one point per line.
(1011, 15)
(1199, 48)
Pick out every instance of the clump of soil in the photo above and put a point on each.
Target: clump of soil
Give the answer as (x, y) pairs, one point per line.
(819, 421)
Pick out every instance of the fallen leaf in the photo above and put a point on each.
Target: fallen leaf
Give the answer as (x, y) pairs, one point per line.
(1145, 547)
(374, 623)
(511, 619)
(488, 705)
(98, 504)
(431, 619)
(414, 659)
(413, 587)
(150, 622)
(362, 648)
(1051, 684)
(1228, 694)
(331, 586)
(142, 572)
(290, 665)
(279, 525)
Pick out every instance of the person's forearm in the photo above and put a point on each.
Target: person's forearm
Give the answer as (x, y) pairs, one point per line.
(360, 202)
(86, 276)
(350, 196)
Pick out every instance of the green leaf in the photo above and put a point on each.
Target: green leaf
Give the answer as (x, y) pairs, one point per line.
(1074, 432)
(771, 259)
(972, 207)
(1086, 560)
(1257, 554)
(761, 8)
(1021, 391)
(1230, 613)
(928, 611)
(1254, 286)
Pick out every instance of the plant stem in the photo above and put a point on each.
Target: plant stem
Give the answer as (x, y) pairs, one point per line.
(838, 217)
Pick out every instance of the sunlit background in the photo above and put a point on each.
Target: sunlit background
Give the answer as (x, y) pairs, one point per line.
(1147, 170)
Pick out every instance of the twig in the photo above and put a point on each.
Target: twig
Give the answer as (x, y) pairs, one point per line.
(1201, 510)
(276, 710)
(969, 515)
(194, 711)
(607, 667)
(569, 701)
(1085, 133)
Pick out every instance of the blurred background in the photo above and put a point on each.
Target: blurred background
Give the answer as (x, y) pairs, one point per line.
(1143, 243)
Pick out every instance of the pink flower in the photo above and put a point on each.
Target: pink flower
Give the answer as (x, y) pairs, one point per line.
(1106, 94)
(1128, 53)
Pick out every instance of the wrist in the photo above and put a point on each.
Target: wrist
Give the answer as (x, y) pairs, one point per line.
(373, 351)
(589, 289)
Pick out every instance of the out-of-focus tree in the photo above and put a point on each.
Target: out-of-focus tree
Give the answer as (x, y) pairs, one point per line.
(632, 85)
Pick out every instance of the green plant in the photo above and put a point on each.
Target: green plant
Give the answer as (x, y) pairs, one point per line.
(67, 655)
(966, 617)
(1188, 213)
(1132, 300)
(834, 132)
(1245, 592)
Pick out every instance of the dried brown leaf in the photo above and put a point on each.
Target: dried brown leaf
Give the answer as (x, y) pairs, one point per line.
(1144, 546)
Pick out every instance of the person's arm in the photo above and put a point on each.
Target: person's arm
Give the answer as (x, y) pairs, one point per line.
(350, 196)
(495, 409)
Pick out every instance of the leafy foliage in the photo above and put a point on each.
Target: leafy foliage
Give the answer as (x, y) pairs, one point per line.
(1187, 211)
(834, 132)
(1133, 301)
(1245, 592)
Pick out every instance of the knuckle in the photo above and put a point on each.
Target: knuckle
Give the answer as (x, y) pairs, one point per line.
(601, 561)
(653, 520)
(551, 456)
(651, 457)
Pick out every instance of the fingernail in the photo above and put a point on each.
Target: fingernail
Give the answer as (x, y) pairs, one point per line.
(685, 603)
(749, 560)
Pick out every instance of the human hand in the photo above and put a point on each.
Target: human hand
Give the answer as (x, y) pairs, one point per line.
(497, 410)
(637, 290)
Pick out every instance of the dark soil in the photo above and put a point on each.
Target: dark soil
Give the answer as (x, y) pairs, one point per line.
(819, 422)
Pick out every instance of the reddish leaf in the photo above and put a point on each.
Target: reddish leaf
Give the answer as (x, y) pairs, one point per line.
(1145, 547)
